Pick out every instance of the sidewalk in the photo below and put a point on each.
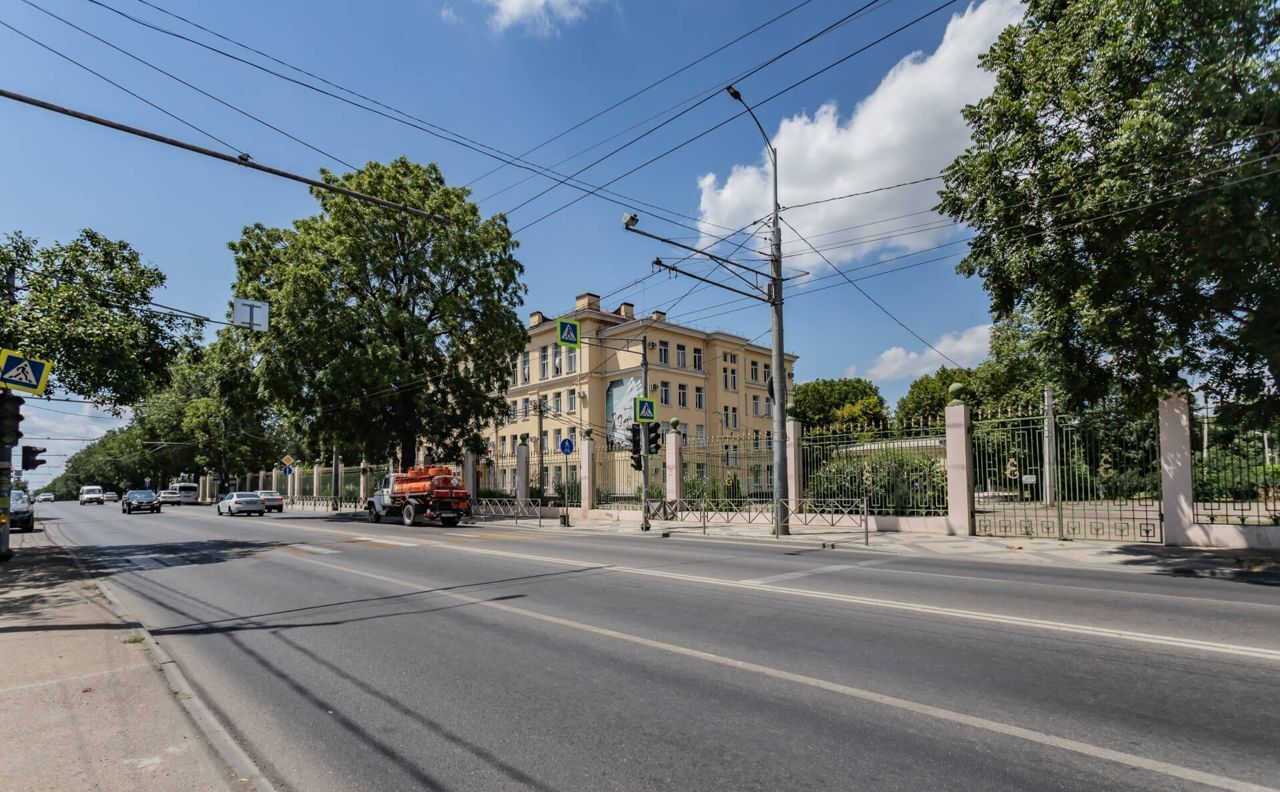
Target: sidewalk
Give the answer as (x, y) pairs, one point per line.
(84, 704)
(1198, 562)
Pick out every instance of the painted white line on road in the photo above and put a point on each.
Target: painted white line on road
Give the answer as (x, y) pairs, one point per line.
(314, 549)
(380, 540)
(456, 533)
(793, 575)
(917, 708)
(932, 610)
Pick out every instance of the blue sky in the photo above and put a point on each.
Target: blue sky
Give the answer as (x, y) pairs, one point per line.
(511, 73)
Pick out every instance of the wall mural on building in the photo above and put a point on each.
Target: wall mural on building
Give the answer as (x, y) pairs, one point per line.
(619, 398)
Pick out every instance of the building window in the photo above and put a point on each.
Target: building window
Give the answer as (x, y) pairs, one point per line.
(767, 368)
(556, 368)
(733, 411)
(515, 410)
(768, 407)
(556, 438)
(725, 421)
(542, 363)
(524, 368)
(697, 359)
(680, 358)
(542, 446)
(524, 408)
(573, 434)
(570, 360)
(664, 392)
(682, 395)
(755, 475)
(664, 353)
(699, 398)
(573, 400)
(730, 378)
(701, 467)
(515, 369)
(768, 439)
(542, 405)
(755, 439)
(755, 371)
(555, 403)
(700, 434)
(755, 405)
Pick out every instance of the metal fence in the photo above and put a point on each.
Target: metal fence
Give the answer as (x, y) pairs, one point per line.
(731, 468)
(619, 486)
(1236, 475)
(558, 479)
(898, 472)
(498, 473)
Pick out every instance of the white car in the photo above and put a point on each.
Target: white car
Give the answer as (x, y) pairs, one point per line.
(111, 497)
(241, 503)
(44, 497)
(169, 497)
(91, 495)
(273, 500)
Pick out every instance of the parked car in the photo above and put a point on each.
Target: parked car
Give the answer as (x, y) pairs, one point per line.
(22, 513)
(44, 497)
(241, 503)
(110, 497)
(169, 497)
(273, 500)
(140, 500)
(91, 495)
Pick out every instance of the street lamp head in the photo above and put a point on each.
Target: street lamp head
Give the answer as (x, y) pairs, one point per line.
(629, 220)
(734, 93)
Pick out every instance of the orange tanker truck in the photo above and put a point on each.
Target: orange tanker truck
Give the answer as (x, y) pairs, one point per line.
(430, 492)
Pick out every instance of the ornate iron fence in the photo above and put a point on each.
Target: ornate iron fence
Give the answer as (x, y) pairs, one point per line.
(892, 471)
(729, 470)
(1236, 472)
(618, 485)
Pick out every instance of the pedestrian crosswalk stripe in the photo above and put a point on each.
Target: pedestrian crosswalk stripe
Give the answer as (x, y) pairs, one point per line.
(314, 549)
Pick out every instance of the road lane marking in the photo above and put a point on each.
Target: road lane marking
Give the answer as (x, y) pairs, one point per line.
(793, 575)
(314, 549)
(915, 707)
(380, 540)
(456, 533)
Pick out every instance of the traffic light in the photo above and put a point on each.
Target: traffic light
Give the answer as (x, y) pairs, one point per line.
(635, 447)
(10, 418)
(31, 457)
(654, 442)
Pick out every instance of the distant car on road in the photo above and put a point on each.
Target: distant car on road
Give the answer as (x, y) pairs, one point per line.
(140, 500)
(45, 497)
(22, 513)
(241, 503)
(91, 495)
(187, 492)
(110, 497)
(273, 500)
(169, 497)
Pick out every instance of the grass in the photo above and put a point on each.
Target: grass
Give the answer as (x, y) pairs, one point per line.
(1266, 563)
(134, 640)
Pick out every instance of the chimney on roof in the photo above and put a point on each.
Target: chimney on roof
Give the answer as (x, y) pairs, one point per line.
(626, 311)
(586, 302)
(536, 318)
(658, 316)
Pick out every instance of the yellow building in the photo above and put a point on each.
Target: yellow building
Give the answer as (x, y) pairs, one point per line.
(713, 382)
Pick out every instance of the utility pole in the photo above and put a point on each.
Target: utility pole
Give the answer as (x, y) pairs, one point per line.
(337, 478)
(6, 450)
(644, 446)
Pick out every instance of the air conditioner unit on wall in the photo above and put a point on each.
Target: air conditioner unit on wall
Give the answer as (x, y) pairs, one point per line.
(653, 344)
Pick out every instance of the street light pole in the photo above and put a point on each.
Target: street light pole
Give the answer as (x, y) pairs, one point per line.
(780, 517)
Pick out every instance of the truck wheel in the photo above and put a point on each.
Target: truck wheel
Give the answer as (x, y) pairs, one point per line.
(409, 515)
(371, 513)
(449, 522)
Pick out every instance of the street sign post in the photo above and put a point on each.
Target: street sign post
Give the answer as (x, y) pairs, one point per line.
(29, 375)
(288, 460)
(288, 470)
(646, 410)
(566, 446)
(568, 333)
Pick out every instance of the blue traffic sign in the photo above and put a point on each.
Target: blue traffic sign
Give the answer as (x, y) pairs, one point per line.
(568, 333)
(288, 470)
(566, 446)
(25, 374)
(646, 410)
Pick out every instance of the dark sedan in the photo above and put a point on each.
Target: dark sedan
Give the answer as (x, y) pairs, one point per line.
(139, 500)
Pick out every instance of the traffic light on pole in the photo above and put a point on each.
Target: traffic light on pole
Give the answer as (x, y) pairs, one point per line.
(635, 447)
(31, 457)
(654, 442)
(10, 418)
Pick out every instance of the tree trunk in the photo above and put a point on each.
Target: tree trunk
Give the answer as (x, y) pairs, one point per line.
(408, 451)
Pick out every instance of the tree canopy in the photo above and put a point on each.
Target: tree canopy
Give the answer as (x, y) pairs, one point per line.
(1121, 185)
(387, 328)
(820, 402)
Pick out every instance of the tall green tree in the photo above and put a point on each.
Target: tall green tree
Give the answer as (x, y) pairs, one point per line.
(818, 402)
(928, 396)
(1121, 183)
(83, 305)
(386, 328)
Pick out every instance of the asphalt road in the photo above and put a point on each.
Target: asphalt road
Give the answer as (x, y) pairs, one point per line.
(374, 657)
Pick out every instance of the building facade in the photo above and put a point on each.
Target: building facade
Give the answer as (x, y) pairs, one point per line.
(714, 383)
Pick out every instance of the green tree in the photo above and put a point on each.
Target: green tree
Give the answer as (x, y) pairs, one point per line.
(1121, 186)
(83, 305)
(928, 395)
(816, 403)
(386, 328)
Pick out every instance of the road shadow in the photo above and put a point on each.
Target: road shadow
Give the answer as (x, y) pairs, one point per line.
(1220, 564)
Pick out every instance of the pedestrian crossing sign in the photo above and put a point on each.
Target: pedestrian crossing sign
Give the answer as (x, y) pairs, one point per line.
(25, 374)
(568, 333)
(645, 410)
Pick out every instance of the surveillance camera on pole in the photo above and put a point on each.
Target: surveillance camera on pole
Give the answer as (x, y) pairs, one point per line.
(629, 220)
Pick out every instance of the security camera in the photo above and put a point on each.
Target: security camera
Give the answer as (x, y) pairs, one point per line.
(629, 220)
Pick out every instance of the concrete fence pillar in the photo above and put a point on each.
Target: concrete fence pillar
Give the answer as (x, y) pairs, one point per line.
(275, 479)
(959, 470)
(1177, 487)
(587, 472)
(470, 472)
(675, 466)
(522, 470)
(795, 466)
(315, 480)
(364, 482)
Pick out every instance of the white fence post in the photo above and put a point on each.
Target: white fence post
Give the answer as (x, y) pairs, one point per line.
(1177, 488)
(959, 467)
(675, 471)
(522, 471)
(795, 466)
(587, 474)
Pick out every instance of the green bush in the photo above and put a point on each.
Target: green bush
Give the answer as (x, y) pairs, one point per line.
(894, 482)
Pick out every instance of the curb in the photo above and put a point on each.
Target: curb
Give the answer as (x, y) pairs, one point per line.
(245, 772)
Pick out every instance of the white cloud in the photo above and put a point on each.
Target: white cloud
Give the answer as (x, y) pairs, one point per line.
(909, 127)
(40, 421)
(966, 348)
(449, 15)
(540, 16)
